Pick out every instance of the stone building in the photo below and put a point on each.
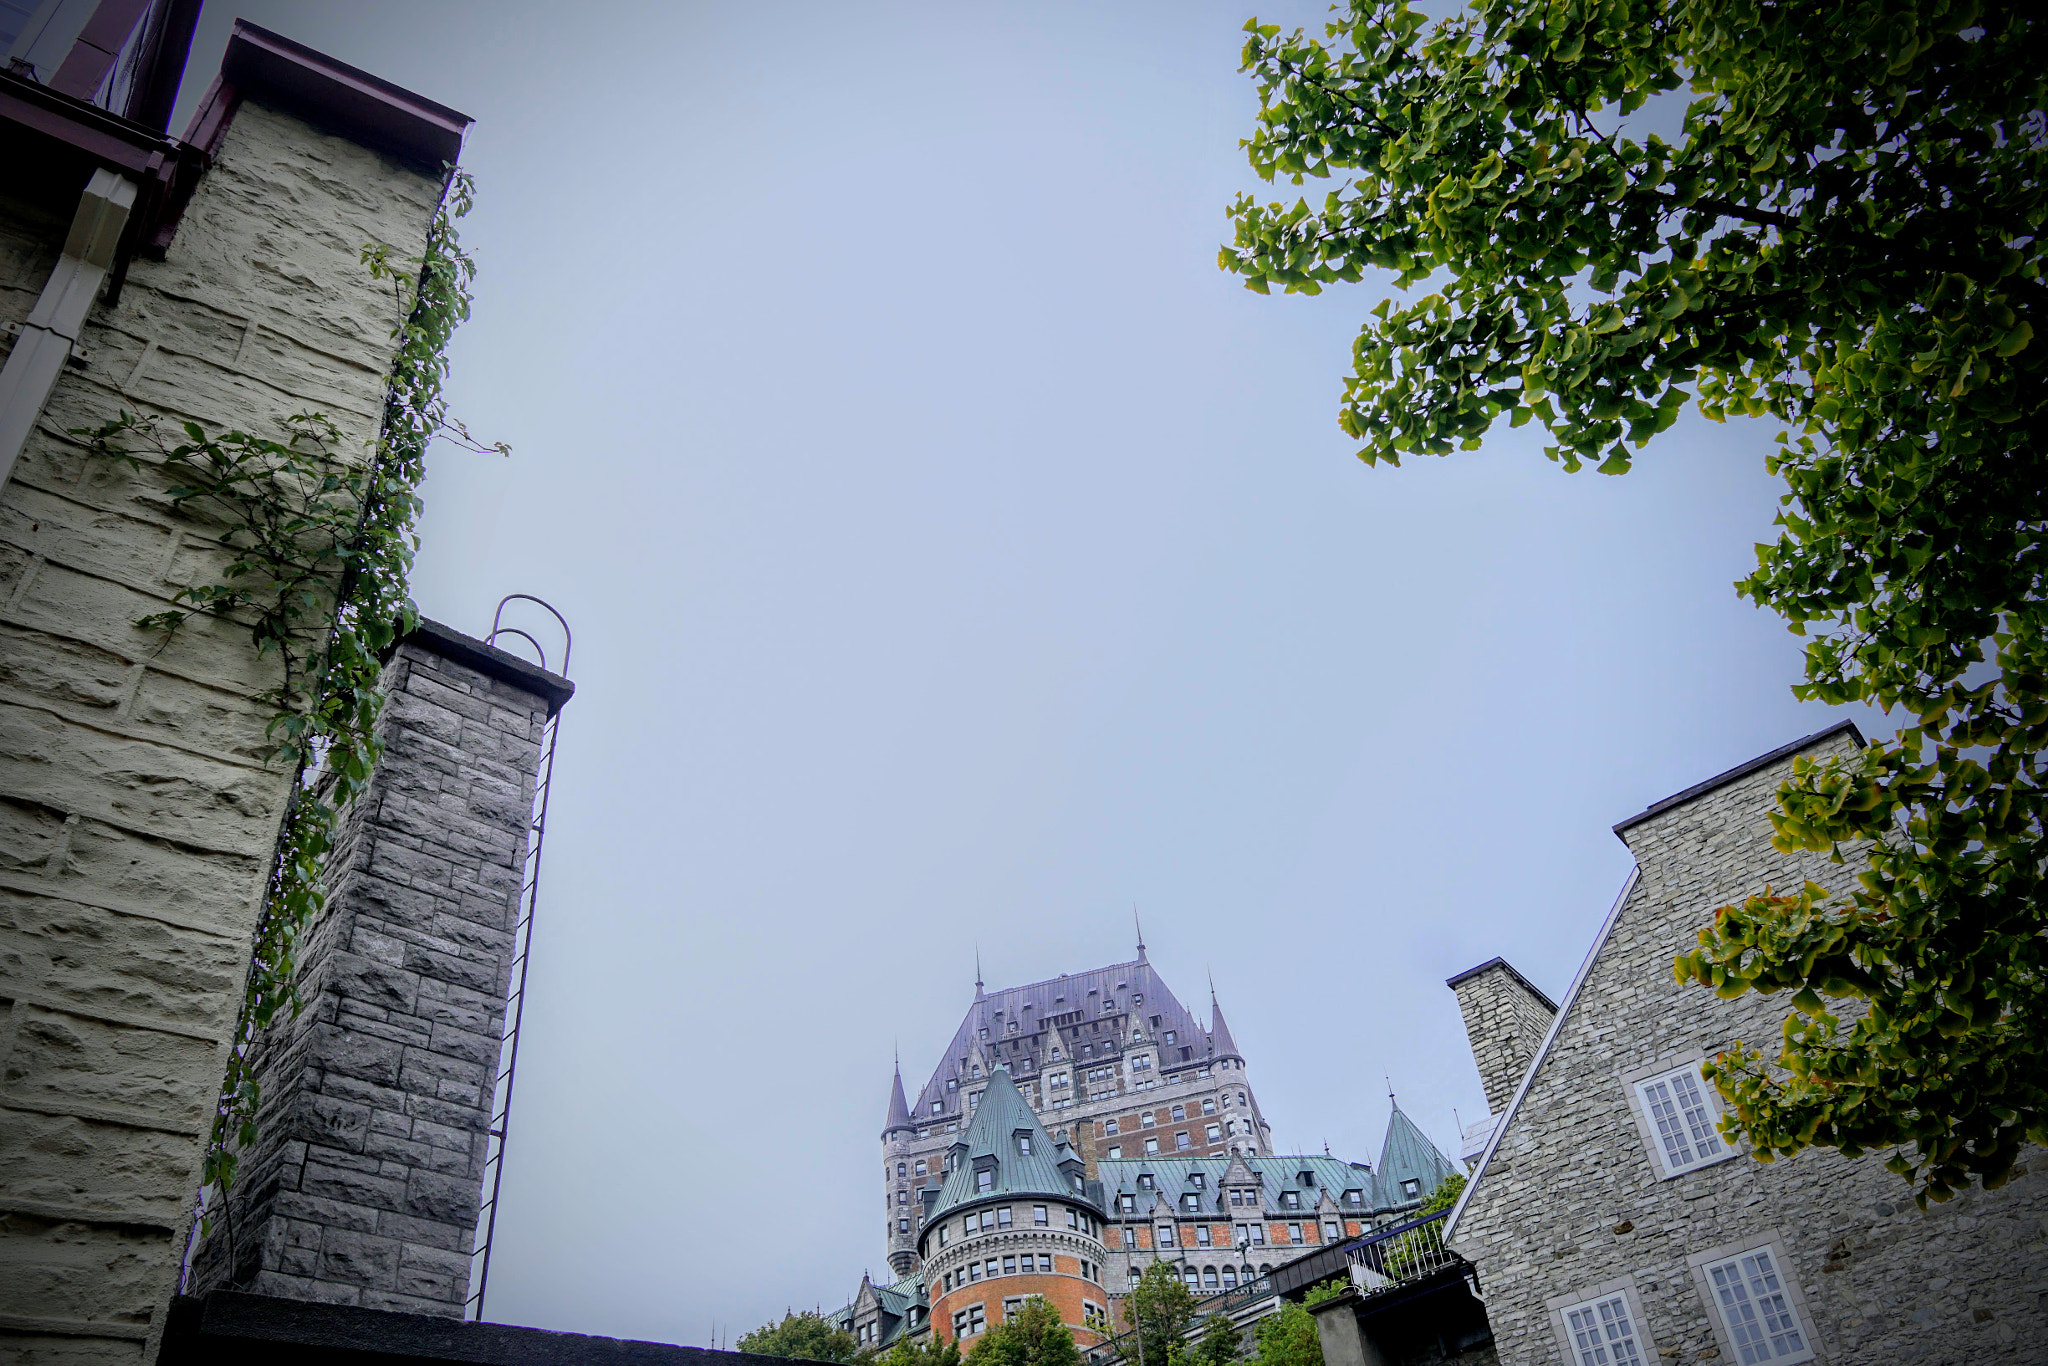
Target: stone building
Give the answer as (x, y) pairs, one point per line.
(1160, 1118)
(1609, 1221)
(1111, 1059)
(216, 278)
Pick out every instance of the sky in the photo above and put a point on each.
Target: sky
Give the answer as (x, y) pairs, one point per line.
(959, 560)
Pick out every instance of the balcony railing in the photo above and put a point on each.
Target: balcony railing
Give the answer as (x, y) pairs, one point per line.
(1391, 1257)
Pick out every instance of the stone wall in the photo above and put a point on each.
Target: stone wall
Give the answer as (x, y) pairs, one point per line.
(364, 1184)
(1505, 1020)
(1574, 1200)
(136, 817)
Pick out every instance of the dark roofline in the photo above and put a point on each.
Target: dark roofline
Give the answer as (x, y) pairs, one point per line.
(492, 662)
(232, 1327)
(1741, 771)
(1498, 962)
(363, 108)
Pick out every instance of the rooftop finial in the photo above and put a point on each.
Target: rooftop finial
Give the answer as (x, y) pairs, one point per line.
(1390, 1092)
(977, 970)
(1140, 929)
(1212, 989)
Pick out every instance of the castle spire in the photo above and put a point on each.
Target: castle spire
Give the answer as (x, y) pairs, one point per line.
(1140, 930)
(977, 970)
(899, 1108)
(1221, 1045)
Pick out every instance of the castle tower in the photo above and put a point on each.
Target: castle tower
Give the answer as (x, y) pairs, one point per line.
(1015, 1217)
(902, 1174)
(1109, 1059)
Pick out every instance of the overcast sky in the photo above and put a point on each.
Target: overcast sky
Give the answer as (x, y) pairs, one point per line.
(955, 554)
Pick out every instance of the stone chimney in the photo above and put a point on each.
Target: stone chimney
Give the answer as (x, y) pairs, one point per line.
(1506, 1018)
(365, 1180)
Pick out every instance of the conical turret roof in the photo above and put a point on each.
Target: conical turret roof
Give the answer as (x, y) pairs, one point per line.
(1006, 1141)
(1221, 1045)
(899, 1108)
(1408, 1155)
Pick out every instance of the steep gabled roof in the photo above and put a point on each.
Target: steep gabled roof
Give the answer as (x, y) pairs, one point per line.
(1408, 1155)
(1096, 1008)
(1221, 1045)
(1006, 1140)
(1275, 1173)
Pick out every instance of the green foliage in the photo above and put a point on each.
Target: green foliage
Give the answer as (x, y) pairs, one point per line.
(1444, 1196)
(1219, 1344)
(1289, 1338)
(1846, 237)
(315, 547)
(1159, 1311)
(1325, 1290)
(927, 1350)
(1033, 1336)
(807, 1337)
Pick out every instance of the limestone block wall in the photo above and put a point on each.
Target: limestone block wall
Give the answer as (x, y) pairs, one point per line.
(1573, 1201)
(1505, 1020)
(136, 819)
(364, 1184)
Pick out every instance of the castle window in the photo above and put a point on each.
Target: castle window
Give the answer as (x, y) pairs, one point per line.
(903, 1226)
(1197, 1180)
(988, 1220)
(1208, 1105)
(1144, 1181)
(1203, 1073)
(1331, 1233)
(974, 1271)
(1135, 1273)
(1039, 1216)
(1109, 1126)
(1191, 1202)
(1151, 1146)
(1073, 1218)
(899, 1169)
(1087, 1050)
(1141, 1063)
(1215, 1133)
(1145, 1120)
(1045, 1262)
(1180, 1141)
(1185, 1052)
(1411, 1189)
(1130, 1237)
(1169, 1036)
(953, 1126)
(974, 1097)
(1265, 1268)
(1290, 1199)
(952, 1083)
(1294, 1233)
(921, 1168)
(984, 1180)
(974, 1071)
(1024, 1144)
(1230, 1278)
(1010, 1266)
(1155, 1022)
(1055, 1055)
(1192, 1277)
(1180, 1113)
(902, 1197)
(1011, 1028)
(1115, 1151)
(1236, 1196)
(1202, 1235)
(1003, 1217)
(1241, 1100)
(1208, 1278)
(1165, 1237)
(1127, 1203)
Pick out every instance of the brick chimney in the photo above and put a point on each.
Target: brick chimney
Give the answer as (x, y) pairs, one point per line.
(364, 1183)
(1506, 1018)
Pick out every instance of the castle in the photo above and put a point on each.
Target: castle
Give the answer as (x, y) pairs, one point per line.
(1081, 1128)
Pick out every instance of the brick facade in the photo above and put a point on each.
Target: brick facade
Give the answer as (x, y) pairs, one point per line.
(1576, 1202)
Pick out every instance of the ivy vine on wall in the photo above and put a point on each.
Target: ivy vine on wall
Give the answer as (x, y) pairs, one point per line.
(317, 553)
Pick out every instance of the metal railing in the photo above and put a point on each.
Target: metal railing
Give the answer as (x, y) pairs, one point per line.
(1391, 1257)
(522, 943)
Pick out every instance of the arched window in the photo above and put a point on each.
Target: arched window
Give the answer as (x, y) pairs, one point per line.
(1230, 1278)
(1265, 1268)
(1208, 1278)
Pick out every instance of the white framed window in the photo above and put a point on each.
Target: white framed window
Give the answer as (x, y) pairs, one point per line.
(1603, 1326)
(1115, 1152)
(1602, 1332)
(1752, 1296)
(1677, 1112)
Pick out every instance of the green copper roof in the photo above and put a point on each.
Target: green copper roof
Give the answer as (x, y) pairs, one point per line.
(1006, 1140)
(1408, 1156)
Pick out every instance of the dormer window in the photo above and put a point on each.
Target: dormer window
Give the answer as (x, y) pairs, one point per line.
(1411, 1189)
(1012, 1027)
(1352, 1198)
(1024, 1145)
(1196, 1179)
(1145, 1181)
(984, 1031)
(1169, 1036)
(952, 1083)
(1308, 1179)
(985, 1180)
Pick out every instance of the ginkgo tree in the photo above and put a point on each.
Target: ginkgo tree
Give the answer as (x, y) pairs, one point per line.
(1844, 237)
